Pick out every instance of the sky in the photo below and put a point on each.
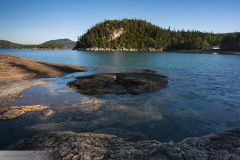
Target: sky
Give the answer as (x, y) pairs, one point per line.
(36, 21)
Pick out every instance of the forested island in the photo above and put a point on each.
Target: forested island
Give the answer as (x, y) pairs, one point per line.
(52, 44)
(140, 35)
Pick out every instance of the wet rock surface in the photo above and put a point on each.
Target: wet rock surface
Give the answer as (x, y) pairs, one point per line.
(119, 83)
(14, 112)
(70, 145)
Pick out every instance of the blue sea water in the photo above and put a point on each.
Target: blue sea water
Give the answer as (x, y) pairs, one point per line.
(203, 96)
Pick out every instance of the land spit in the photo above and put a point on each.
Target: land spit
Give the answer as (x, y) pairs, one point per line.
(18, 74)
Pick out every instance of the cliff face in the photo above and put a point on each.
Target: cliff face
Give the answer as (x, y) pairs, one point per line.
(116, 34)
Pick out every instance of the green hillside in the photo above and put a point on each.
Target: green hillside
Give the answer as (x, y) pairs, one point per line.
(7, 44)
(52, 44)
(61, 43)
(142, 35)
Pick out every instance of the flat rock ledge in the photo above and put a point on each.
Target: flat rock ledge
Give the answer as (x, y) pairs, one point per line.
(86, 146)
(119, 83)
(14, 112)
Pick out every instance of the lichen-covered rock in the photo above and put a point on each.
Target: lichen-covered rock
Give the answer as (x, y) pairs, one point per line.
(119, 83)
(101, 146)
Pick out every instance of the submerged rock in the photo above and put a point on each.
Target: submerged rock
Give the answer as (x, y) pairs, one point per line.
(47, 114)
(93, 102)
(119, 83)
(14, 112)
(96, 102)
(89, 104)
(102, 146)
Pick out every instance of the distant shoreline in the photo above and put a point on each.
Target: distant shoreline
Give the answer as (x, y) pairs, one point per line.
(141, 50)
(160, 50)
(35, 49)
(206, 51)
(96, 49)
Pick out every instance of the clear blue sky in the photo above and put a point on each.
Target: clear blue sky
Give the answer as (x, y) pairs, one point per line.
(35, 21)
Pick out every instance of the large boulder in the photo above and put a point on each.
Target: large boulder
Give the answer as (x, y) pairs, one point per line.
(119, 83)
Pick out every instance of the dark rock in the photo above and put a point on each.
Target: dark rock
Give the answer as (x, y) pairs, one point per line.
(101, 146)
(119, 83)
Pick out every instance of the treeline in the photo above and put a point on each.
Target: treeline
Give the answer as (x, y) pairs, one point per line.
(231, 42)
(139, 34)
(193, 40)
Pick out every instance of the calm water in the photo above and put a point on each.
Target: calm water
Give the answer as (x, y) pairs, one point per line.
(203, 96)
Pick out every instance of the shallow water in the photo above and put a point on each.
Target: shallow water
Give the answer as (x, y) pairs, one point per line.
(203, 96)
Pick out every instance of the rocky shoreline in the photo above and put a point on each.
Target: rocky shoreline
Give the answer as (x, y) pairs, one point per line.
(74, 146)
(206, 51)
(97, 49)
